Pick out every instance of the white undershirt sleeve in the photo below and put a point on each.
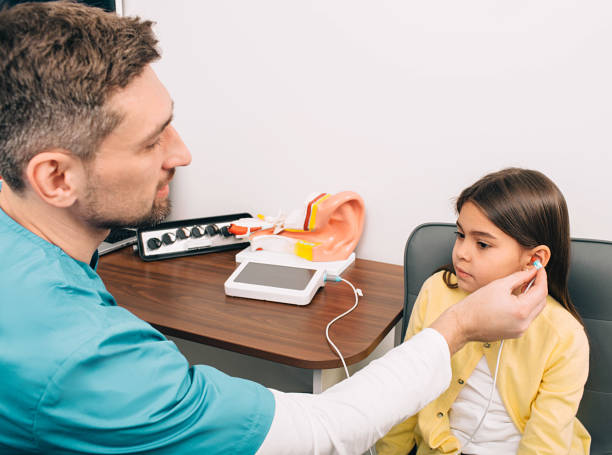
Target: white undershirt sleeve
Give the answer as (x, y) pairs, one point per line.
(351, 416)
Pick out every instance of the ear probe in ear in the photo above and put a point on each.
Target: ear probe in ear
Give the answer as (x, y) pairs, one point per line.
(538, 265)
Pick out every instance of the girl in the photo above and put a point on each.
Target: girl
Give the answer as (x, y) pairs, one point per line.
(530, 393)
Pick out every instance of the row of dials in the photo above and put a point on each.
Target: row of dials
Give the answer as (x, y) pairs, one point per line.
(182, 233)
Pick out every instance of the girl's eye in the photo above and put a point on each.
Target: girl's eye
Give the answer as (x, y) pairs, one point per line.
(460, 235)
(482, 245)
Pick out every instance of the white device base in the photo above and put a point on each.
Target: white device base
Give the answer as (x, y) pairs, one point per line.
(270, 257)
(269, 282)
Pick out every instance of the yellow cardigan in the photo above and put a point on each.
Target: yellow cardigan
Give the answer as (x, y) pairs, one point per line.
(541, 379)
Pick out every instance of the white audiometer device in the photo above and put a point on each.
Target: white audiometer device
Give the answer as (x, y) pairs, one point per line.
(273, 282)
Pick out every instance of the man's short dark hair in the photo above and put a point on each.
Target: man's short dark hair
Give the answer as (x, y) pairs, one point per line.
(59, 64)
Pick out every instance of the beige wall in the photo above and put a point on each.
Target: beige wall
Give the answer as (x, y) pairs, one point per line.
(404, 102)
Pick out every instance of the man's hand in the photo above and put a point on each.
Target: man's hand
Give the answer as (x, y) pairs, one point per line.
(493, 312)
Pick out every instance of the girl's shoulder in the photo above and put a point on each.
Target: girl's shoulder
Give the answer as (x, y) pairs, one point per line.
(554, 313)
(556, 319)
(433, 299)
(438, 293)
(438, 283)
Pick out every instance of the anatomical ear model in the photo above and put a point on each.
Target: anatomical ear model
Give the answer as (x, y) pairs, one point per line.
(326, 228)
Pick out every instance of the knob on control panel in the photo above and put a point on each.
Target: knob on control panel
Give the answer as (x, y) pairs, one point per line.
(197, 232)
(225, 231)
(182, 233)
(212, 230)
(168, 238)
(154, 243)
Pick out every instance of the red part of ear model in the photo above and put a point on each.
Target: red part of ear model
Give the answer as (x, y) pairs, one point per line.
(334, 228)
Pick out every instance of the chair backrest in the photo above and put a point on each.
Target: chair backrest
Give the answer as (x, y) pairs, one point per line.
(590, 286)
(429, 246)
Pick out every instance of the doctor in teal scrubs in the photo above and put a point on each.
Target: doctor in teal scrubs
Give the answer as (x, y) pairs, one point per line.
(87, 144)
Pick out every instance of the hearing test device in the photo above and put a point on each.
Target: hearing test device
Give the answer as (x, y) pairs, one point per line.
(277, 283)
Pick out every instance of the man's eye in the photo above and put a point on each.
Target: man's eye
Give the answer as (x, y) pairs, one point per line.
(154, 144)
(460, 235)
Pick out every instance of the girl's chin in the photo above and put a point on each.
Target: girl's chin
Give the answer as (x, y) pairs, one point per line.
(467, 287)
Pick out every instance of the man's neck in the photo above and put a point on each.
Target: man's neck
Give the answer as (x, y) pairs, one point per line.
(55, 225)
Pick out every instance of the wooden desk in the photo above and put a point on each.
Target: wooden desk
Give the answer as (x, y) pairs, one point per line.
(184, 297)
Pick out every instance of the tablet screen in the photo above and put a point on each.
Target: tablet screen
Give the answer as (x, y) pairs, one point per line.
(278, 276)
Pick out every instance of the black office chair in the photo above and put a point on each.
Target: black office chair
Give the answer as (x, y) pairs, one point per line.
(590, 286)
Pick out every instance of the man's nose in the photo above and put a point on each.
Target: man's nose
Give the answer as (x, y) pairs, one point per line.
(177, 152)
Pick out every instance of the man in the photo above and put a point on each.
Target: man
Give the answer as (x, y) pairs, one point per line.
(87, 144)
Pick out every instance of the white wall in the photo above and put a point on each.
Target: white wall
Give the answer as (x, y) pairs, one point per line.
(404, 102)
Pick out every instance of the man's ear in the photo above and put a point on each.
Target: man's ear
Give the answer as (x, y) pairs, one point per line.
(541, 253)
(56, 176)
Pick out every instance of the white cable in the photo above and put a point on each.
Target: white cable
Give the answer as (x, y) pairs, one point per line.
(501, 346)
(490, 398)
(358, 293)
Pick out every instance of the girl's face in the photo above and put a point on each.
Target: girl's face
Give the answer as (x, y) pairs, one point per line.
(483, 252)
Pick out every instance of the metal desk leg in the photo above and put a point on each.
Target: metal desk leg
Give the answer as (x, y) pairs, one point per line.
(317, 381)
(398, 334)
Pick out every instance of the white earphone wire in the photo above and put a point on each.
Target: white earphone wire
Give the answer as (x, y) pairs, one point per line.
(357, 293)
(501, 346)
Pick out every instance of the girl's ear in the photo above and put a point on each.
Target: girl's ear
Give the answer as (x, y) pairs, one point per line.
(540, 253)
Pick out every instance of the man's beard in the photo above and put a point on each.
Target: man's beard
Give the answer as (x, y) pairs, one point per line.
(96, 217)
(158, 213)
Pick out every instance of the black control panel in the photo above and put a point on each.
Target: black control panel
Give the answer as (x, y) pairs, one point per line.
(189, 237)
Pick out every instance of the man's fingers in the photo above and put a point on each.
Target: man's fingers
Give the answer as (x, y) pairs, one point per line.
(537, 309)
(518, 279)
(536, 297)
(539, 289)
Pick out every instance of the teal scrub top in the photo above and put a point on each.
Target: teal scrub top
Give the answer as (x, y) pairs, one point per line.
(79, 374)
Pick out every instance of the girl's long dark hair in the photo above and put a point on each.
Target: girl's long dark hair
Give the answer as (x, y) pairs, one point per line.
(529, 207)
